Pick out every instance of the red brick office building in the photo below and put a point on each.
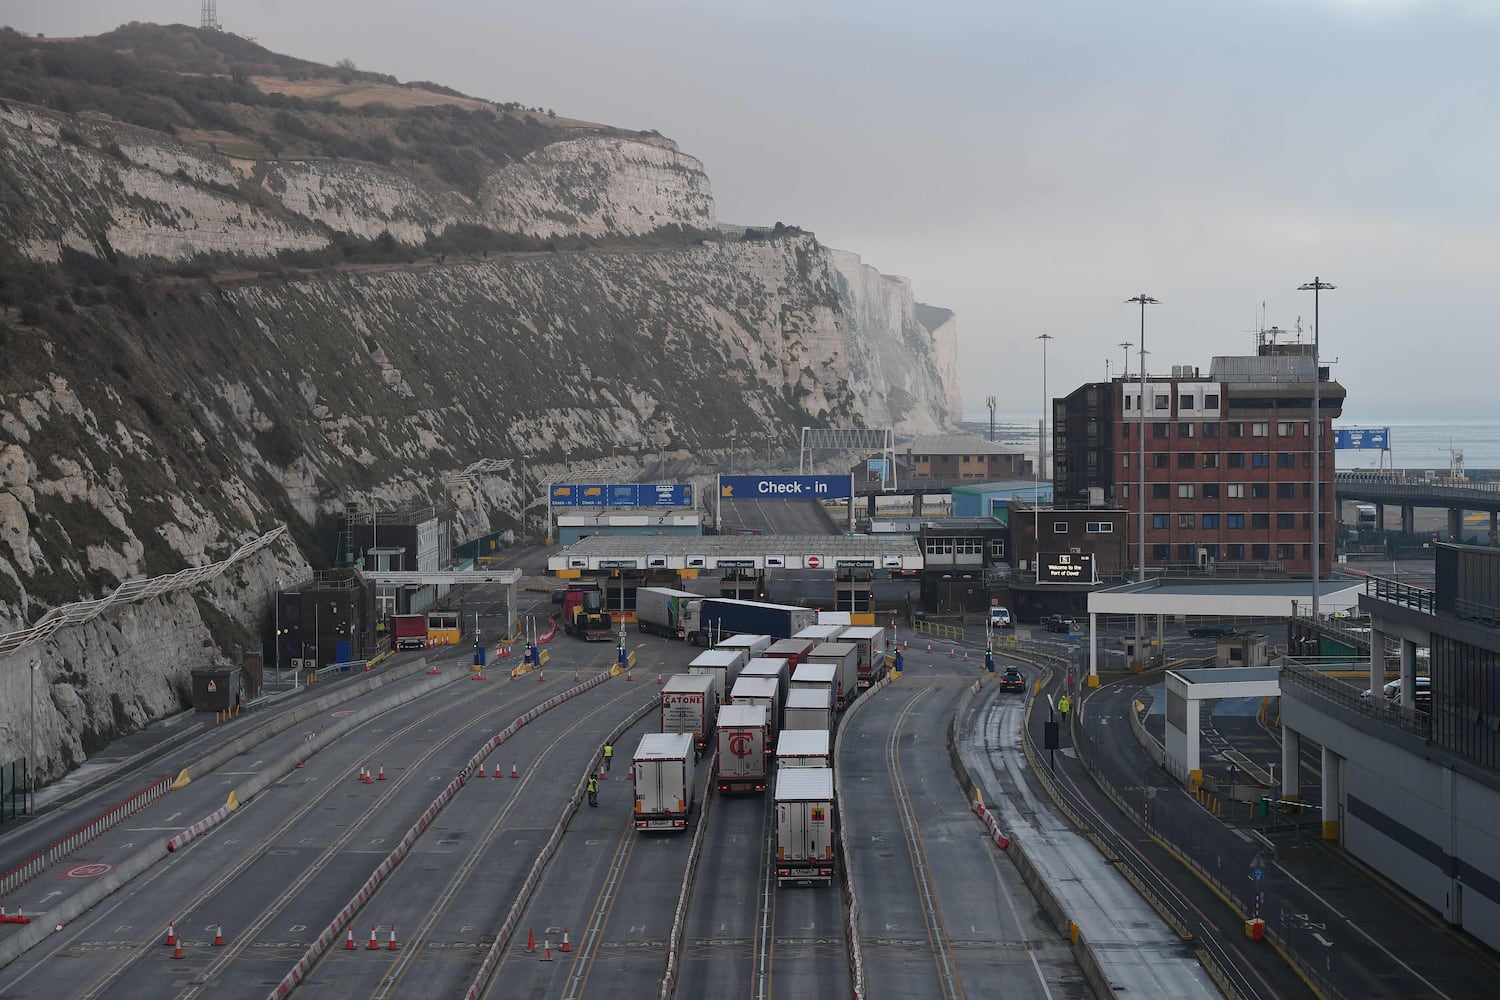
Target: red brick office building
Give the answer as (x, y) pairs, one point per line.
(1229, 466)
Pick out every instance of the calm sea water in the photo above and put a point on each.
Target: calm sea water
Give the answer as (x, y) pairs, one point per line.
(1427, 444)
(1415, 444)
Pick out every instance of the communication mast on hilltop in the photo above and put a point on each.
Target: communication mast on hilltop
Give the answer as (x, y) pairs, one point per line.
(209, 18)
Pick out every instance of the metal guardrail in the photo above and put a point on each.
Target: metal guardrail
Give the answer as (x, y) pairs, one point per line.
(130, 592)
(1394, 592)
(937, 630)
(1347, 696)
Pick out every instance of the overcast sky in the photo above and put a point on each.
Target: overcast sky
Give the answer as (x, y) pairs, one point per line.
(1032, 165)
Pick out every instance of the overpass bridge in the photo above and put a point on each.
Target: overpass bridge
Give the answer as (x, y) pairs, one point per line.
(1406, 493)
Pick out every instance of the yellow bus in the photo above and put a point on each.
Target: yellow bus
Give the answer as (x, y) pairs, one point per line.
(443, 628)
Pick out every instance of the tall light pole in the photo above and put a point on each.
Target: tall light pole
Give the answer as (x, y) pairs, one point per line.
(1140, 408)
(31, 753)
(1316, 286)
(1143, 300)
(276, 654)
(1046, 405)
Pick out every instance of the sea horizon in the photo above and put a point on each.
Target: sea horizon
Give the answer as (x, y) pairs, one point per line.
(1417, 444)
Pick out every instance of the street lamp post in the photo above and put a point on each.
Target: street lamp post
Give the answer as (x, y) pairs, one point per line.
(1140, 407)
(1046, 404)
(1315, 286)
(31, 764)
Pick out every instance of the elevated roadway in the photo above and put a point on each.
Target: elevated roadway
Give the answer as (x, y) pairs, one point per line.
(1407, 494)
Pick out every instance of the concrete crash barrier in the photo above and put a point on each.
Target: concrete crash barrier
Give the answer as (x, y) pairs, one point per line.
(544, 857)
(316, 950)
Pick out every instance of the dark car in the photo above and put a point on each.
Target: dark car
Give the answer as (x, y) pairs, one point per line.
(1212, 631)
(1011, 680)
(559, 595)
(1059, 623)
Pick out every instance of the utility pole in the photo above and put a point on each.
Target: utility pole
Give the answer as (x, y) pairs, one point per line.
(990, 402)
(1046, 405)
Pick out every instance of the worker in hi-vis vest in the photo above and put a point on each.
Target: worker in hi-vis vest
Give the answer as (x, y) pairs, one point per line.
(593, 791)
(609, 754)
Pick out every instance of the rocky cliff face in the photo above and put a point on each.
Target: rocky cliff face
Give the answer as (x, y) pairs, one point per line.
(155, 417)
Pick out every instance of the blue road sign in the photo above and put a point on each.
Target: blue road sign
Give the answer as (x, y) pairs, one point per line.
(785, 487)
(1257, 874)
(622, 495)
(1378, 438)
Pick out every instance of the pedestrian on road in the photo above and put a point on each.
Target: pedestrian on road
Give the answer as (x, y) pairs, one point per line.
(1063, 704)
(609, 754)
(593, 791)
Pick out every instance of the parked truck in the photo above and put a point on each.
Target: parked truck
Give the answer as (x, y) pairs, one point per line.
(667, 612)
(803, 748)
(722, 616)
(804, 825)
(759, 691)
(765, 666)
(793, 650)
(743, 733)
(583, 613)
(808, 708)
(410, 631)
(723, 665)
(662, 772)
(689, 705)
(870, 641)
(845, 656)
(820, 632)
(750, 645)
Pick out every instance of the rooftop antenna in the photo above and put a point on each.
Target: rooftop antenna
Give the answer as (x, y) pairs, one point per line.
(990, 402)
(209, 18)
(1127, 344)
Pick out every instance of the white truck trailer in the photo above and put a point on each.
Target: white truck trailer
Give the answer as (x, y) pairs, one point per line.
(804, 825)
(759, 691)
(820, 633)
(808, 708)
(662, 772)
(803, 748)
(750, 645)
(767, 666)
(743, 734)
(689, 705)
(723, 665)
(870, 640)
(667, 612)
(793, 650)
(844, 656)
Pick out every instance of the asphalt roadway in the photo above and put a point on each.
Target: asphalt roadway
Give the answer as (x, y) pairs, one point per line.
(944, 913)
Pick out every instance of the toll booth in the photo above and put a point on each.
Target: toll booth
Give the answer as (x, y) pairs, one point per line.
(852, 580)
(739, 581)
(215, 688)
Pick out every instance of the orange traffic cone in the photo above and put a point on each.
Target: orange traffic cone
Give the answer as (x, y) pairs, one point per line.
(218, 934)
(546, 947)
(966, 656)
(381, 775)
(171, 934)
(373, 945)
(952, 652)
(481, 769)
(177, 952)
(392, 945)
(349, 942)
(575, 675)
(514, 772)
(530, 940)
(541, 673)
(630, 673)
(565, 945)
(658, 677)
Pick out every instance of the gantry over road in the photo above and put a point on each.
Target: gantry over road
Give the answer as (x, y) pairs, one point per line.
(740, 553)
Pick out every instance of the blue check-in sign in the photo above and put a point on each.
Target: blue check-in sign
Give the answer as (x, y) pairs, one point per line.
(785, 487)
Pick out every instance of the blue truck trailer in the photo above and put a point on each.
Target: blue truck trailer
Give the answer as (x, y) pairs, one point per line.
(719, 617)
